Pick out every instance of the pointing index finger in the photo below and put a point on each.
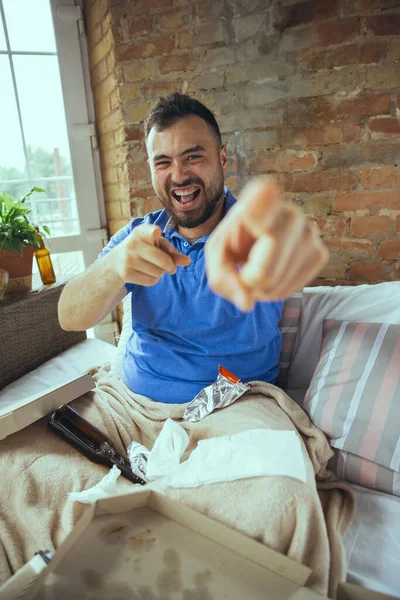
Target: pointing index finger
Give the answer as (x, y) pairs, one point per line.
(259, 202)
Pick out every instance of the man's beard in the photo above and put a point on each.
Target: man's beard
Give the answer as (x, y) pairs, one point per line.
(199, 215)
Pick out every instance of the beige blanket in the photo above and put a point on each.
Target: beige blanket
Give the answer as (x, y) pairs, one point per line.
(38, 470)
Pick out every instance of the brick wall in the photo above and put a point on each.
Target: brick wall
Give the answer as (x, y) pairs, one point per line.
(308, 91)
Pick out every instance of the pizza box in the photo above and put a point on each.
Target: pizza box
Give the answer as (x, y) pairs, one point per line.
(144, 546)
(18, 414)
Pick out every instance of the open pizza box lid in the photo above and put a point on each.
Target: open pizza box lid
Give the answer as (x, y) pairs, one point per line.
(143, 545)
(18, 414)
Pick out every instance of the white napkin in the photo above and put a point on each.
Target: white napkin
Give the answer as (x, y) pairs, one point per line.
(254, 453)
(104, 489)
(167, 450)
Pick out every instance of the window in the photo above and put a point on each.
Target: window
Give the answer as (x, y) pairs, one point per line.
(47, 140)
(47, 136)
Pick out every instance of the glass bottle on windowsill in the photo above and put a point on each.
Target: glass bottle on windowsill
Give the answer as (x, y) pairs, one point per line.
(44, 263)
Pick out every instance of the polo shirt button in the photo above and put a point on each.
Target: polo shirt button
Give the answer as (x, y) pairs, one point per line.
(186, 244)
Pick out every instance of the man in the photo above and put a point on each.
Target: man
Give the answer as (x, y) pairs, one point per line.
(207, 274)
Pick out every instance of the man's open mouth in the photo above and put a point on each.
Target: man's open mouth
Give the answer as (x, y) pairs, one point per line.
(186, 195)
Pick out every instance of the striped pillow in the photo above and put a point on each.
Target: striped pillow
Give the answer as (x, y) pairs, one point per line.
(289, 325)
(354, 398)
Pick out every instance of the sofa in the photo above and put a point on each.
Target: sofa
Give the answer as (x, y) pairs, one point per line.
(339, 361)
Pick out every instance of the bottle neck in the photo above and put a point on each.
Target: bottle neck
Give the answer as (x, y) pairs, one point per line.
(41, 242)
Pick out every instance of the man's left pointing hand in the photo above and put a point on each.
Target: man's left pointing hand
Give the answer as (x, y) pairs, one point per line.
(264, 249)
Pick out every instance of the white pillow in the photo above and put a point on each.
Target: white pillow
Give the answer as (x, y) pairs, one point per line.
(379, 303)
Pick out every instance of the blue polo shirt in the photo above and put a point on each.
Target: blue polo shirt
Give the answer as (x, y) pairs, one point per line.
(182, 331)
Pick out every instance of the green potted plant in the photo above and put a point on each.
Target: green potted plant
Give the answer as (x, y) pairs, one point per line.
(18, 241)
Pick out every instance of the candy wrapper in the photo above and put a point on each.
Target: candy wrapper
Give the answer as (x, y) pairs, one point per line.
(225, 390)
(138, 455)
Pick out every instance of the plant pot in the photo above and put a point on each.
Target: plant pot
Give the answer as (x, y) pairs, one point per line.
(19, 269)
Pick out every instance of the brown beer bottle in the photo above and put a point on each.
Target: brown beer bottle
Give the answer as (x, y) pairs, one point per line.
(44, 263)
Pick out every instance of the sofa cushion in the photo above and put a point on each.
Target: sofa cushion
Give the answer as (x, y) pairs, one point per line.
(377, 303)
(354, 397)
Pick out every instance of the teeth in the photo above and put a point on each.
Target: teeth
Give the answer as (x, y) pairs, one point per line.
(186, 193)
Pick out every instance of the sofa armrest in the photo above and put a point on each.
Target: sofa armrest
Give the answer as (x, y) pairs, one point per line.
(30, 333)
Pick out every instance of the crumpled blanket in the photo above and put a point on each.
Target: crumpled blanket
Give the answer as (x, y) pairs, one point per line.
(305, 521)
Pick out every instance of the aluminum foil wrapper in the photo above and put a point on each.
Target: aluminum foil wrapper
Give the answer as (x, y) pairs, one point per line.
(138, 455)
(226, 389)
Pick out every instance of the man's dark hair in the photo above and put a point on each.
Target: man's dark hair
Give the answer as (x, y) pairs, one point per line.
(174, 107)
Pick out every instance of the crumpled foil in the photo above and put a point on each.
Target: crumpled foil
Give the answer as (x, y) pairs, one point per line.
(226, 389)
(138, 455)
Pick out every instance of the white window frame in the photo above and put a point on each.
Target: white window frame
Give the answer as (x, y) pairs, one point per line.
(79, 112)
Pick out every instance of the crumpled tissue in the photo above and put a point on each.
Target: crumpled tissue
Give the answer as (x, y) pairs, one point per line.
(253, 453)
(103, 489)
(167, 451)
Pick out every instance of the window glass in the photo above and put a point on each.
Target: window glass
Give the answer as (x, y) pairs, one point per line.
(29, 25)
(12, 158)
(48, 156)
(65, 264)
(3, 45)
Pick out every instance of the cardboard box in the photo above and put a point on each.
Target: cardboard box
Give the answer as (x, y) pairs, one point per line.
(145, 546)
(15, 415)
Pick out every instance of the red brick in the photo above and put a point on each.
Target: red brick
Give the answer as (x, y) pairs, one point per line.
(155, 89)
(367, 200)
(322, 135)
(372, 52)
(305, 12)
(147, 192)
(140, 26)
(361, 7)
(145, 48)
(287, 160)
(330, 226)
(367, 105)
(390, 250)
(369, 226)
(139, 7)
(387, 24)
(319, 181)
(349, 249)
(185, 40)
(210, 11)
(384, 128)
(366, 272)
(333, 270)
(394, 49)
(174, 63)
(325, 9)
(326, 59)
(349, 155)
(138, 172)
(338, 32)
(133, 133)
(383, 177)
(300, 111)
(396, 271)
(175, 18)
